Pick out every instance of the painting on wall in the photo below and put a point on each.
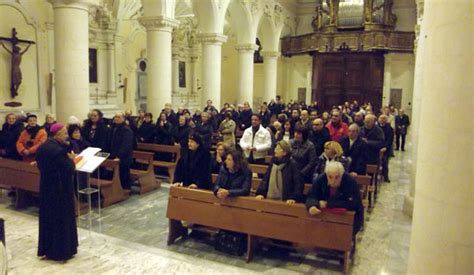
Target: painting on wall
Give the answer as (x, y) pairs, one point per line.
(92, 65)
(182, 74)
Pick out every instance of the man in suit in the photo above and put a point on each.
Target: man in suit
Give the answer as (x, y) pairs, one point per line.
(388, 133)
(373, 135)
(121, 148)
(355, 148)
(402, 122)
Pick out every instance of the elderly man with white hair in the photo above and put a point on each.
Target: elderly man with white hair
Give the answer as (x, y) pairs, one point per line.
(336, 189)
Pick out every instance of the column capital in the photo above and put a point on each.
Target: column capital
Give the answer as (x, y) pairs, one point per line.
(211, 38)
(77, 4)
(158, 23)
(271, 54)
(250, 47)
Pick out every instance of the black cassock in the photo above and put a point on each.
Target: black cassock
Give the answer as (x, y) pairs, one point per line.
(57, 221)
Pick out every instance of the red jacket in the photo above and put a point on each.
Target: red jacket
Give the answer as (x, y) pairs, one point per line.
(337, 133)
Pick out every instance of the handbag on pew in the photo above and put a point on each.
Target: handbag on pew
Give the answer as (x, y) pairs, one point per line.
(229, 242)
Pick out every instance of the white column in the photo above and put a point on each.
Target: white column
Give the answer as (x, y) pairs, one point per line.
(193, 75)
(442, 239)
(245, 82)
(71, 57)
(270, 67)
(159, 67)
(111, 69)
(211, 67)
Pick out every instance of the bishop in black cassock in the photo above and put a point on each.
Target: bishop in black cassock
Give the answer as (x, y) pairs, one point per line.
(57, 221)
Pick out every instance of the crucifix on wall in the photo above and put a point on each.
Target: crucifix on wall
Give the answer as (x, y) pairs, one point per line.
(16, 54)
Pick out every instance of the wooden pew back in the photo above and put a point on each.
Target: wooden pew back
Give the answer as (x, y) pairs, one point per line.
(111, 190)
(146, 178)
(246, 215)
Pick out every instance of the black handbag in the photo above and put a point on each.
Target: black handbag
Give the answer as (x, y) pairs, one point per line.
(230, 242)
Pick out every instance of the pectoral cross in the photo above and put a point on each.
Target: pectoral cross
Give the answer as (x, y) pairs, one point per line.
(16, 54)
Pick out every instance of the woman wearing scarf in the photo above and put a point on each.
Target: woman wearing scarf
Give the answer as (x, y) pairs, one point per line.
(283, 180)
(30, 139)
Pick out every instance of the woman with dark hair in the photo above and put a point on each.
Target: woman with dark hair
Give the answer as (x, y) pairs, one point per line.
(193, 169)
(234, 177)
(221, 152)
(283, 179)
(11, 131)
(95, 130)
(146, 132)
(140, 118)
(286, 133)
(76, 143)
(304, 153)
(164, 130)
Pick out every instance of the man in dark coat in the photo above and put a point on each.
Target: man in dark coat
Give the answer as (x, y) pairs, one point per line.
(336, 189)
(303, 153)
(245, 117)
(355, 149)
(373, 135)
(57, 221)
(182, 133)
(194, 169)
(10, 133)
(402, 122)
(205, 129)
(121, 148)
(388, 133)
(319, 136)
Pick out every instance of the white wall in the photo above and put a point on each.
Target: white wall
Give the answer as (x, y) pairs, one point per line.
(399, 74)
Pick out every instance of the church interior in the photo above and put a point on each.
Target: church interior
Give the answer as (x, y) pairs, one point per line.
(64, 58)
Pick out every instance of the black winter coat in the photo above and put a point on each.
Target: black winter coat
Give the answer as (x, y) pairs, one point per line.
(205, 131)
(375, 142)
(357, 153)
(164, 134)
(347, 196)
(237, 183)
(293, 184)
(194, 168)
(96, 137)
(146, 132)
(305, 157)
(319, 138)
(121, 144)
(8, 138)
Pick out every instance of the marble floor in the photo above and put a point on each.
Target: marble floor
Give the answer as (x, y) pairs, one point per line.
(130, 237)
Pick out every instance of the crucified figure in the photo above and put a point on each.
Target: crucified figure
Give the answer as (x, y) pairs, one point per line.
(16, 77)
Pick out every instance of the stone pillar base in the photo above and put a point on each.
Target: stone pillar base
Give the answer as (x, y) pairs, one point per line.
(408, 204)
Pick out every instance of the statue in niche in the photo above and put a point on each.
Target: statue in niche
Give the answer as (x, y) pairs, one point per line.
(16, 54)
(333, 6)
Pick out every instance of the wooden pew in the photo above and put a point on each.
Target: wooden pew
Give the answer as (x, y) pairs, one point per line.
(111, 190)
(246, 215)
(170, 166)
(24, 177)
(146, 178)
(258, 168)
(364, 182)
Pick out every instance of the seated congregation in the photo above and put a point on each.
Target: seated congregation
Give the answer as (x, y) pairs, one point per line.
(285, 160)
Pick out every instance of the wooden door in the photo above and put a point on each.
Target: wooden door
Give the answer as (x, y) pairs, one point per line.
(396, 98)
